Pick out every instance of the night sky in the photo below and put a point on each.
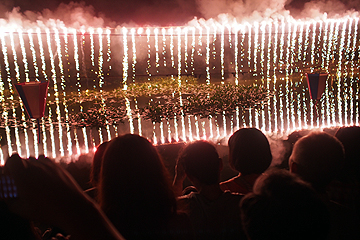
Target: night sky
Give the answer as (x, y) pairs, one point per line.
(170, 12)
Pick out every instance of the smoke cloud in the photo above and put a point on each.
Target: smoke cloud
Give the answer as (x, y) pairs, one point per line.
(109, 13)
(240, 9)
(73, 15)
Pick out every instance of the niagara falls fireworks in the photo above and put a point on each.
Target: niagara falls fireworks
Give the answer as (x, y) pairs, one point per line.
(273, 52)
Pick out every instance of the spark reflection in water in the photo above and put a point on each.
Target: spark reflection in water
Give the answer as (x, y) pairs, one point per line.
(275, 54)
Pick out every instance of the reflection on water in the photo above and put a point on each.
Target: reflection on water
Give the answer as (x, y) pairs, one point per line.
(275, 54)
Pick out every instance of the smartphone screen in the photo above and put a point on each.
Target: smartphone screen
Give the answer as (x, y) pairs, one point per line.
(8, 189)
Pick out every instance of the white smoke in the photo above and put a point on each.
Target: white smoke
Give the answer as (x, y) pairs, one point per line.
(256, 10)
(74, 15)
(333, 8)
(242, 9)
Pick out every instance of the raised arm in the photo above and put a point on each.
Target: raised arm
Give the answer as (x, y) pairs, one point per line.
(179, 178)
(48, 193)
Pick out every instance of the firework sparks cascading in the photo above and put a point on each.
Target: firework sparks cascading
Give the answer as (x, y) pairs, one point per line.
(274, 53)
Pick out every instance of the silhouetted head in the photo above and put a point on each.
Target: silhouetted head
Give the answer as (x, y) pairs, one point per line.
(135, 190)
(350, 138)
(96, 164)
(317, 158)
(283, 206)
(201, 161)
(249, 151)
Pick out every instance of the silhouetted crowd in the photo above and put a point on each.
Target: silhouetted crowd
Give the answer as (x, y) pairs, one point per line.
(313, 194)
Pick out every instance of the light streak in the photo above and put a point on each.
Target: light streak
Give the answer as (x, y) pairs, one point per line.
(325, 42)
(101, 81)
(186, 49)
(330, 41)
(58, 111)
(101, 61)
(92, 47)
(108, 43)
(168, 130)
(281, 107)
(125, 61)
(78, 82)
(52, 137)
(256, 118)
(293, 42)
(148, 53)
(197, 130)
(207, 60)
(44, 137)
(300, 42)
(289, 48)
(282, 42)
(157, 58)
(154, 134)
(163, 31)
(306, 44)
(242, 55)
(268, 66)
(249, 49)
(199, 53)
(179, 83)
(275, 45)
(327, 104)
(304, 107)
(171, 32)
(355, 35)
(339, 83)
(138, 117)
(2, 161)
(128, 113)
(134, 57)
(23, 51)
(190, 129)
(36, 145)
(312, 59)
(178, 30)
(268, 79)
(224, 124)
(193, 42)
(256, 46)
(176, 129)
(203, 130)
(67, 119)
(162, 137)
(222, 54)
(348, 41)
(42, 55)
(5, 113)
(33, 53)
(250, 117)
(237, 73)
(86, 143)
(15, 56)
(211, 128)
(275, 106)
(236, 57)
(101, 139)
(318, 57)
(214, 46)
(298, 103)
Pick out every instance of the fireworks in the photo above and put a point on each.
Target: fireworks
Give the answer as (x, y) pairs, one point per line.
(272, 53)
